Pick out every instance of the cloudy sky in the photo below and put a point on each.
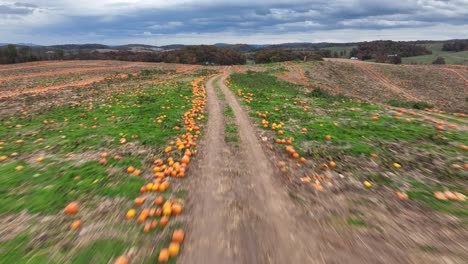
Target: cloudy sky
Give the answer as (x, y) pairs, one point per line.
(161, 22)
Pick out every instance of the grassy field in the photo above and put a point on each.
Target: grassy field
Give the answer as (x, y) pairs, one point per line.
(107, 153)
(436, 48)
(368, 141)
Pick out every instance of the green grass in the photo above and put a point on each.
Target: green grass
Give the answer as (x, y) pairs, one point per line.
(425, 193)
(48, 186)
(101, 251)
(450, 58)
(353, 132)
(17, 250)
(231, 133)
(436, 48)
(355, 221)
(413, 144)
(48, 189)
(228, 112)
(134, 114)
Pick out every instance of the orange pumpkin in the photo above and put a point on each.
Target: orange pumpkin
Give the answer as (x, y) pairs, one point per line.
(176, 209)
(174, 249)
(185, 159)
(159, 200)
(163, 221)
(72, 208)
(75, 225)
(121, 260)
(178, 235)
(163, 255)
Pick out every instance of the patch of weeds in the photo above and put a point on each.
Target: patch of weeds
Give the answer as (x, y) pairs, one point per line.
(218, 91)
(409, 104)
(228, 112)
(355, 221)
(428, 248)
(320, 93)
(181, 194)
(148, 72)
(231, 133)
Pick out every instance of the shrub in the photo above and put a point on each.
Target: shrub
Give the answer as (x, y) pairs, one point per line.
(439, 60)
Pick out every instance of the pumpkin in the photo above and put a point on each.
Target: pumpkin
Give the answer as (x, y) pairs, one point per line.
(163, 255)
(185, 159)
(158, 211)
(147, 227)
(401, 195)
(121, 260)
(174, 248)
(440, 196)
(367, 184)
(164, 186)
(130, 169)
(176, 209)
(159, 200)
(75, 225)
(178, 235)
(140, 200)
(167, 210)
(143, 216)
(332, 164)
(72, 208)
(130, 214)
(163, 221)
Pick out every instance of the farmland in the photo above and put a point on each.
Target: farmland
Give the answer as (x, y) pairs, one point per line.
(349, 162)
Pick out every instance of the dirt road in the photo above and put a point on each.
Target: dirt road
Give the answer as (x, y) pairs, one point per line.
(241, 214)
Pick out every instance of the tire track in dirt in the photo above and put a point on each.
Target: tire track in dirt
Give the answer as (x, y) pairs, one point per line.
(456, 73)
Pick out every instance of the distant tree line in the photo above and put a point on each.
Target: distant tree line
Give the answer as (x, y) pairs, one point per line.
(458, 45)
(201, 54)
(17, 54)
(278, 55)
(383, 51)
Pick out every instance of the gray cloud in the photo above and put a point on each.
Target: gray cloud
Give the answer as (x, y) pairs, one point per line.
(121, 21)
(14, 10)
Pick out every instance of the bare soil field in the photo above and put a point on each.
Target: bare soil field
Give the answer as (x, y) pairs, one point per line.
(444, 86)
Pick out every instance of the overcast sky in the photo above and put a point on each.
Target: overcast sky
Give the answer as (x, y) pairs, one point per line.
(240, 21)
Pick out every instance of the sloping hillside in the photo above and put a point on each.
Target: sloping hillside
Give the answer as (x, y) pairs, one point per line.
(443, 86)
